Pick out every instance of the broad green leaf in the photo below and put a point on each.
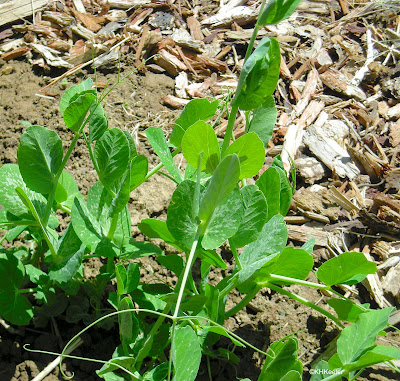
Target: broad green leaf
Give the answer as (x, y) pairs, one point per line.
(196, 109)
(375, 355)
(259, 75)
(254, 217)
(322, 371)
(111, 153)
(200, 138)
(194, 304)
(224, 222)
(309, 246)
(138, 249)
(172, 262)
(122, 195)
(14, 307)
(68, 189)
(292, 375)
(347, 268)
(76, 111)
(98, 122)
(123, 361)
(160, 341)
(292, 262)
(86, 227)
(287, 189)
(264, 120)
(355, 339)
(10, 178)
(40, 155)
(69, 257)
(251, 154)
(346, 309)
(211, 257)
(128, 323)
(127, 278)
(72, 92)
(132, 146)
(221, 184)
(157, 140)
(156, 229)
(223, 332)
(270, 242)
(277, 11)
(270, 185)
(139, 168)
(186, 354)
(159, 373)
(281, 359)
(180, 220)
(213, 301)
(98, 204)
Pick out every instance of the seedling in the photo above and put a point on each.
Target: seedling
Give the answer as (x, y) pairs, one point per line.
(165, 330)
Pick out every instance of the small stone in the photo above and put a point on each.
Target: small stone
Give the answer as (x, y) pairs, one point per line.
(7, 69)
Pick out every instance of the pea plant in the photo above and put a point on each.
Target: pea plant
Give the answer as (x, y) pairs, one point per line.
(165, 329)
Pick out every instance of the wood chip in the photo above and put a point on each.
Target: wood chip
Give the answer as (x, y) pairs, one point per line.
(15, 53)
(338, 82)
(195, 28)
(16, 10)
(174, 102)
(169, 62)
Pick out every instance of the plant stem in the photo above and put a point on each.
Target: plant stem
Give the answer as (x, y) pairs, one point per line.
(304, 301)
(235, 256)
(273, 277)
(229, 129)
(160, 165)
(188, 267)
(243, 303)
(110, 235)
(149, 339)
(26, 290)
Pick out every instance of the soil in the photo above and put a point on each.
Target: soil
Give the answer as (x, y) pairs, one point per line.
(268, 318)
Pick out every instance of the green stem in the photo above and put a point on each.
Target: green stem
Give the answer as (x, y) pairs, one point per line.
(143, 352)
(243, 303)
(26, 290)
(235, 255)
(188, 267)
(304, 301)
(160, 165)
(229, 129)
(273, 277)
(52, 194)
(110, 235)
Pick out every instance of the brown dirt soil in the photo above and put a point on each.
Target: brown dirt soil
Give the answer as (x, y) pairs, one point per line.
(268, 318)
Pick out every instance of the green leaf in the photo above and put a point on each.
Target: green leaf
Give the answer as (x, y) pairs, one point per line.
(40, 155)
(69, 257)
(14, 307)
(287, 189)
(223, 332)
(172, 262)
(127, 278)
(138, 249)
(211, 257)
(292, 262)
(86, 227)
(347, 268)
(200, 138)
(270, 243)
(123, 361)
(72, 92)
(157, 140)
(139, 168)
(76, 111)
(111, 153)
(122, 196)
(98, 122)
(254, 217)
(185, 342)
(270, 185)
(159, 373)
(354, 340)
(322, 371)
(259, 75)
(346, 309)
(281, 359)
(180, 220)
(66, 190)
(264, 120)
(224, 222)
(251, 154)
(221, 184)
(375, 355)
(156, 229)
(196, 109)
(10, 179)
(128, 322)
(194, 304)
(277, 11)
(132, 146)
